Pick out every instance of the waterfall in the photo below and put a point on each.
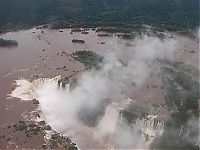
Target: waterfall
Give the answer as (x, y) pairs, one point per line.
(150, 128)
(181, 129)
(56, 103)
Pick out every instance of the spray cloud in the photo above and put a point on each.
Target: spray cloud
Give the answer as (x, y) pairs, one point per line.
(89, 114)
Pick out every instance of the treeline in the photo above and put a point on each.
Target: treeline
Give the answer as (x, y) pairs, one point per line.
(176, 15)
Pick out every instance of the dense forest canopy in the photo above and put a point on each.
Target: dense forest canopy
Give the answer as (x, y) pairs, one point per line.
(165, 14)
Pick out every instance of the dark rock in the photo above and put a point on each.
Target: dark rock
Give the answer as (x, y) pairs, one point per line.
(47, 127)
(44, 146)
(63, 52)
(54, 136)
(84, 32)
(42, 123)
(67, 80)
(53, 145)
(101, 43)
(35, 76)
(38, 28)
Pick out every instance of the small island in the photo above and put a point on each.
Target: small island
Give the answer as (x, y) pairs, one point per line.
(5, 42)
(88, 58)
(104, 35)
(78, 41)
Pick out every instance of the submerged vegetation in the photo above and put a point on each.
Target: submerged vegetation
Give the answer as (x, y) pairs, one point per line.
(4, 42)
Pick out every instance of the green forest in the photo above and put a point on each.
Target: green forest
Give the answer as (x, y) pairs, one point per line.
(171, 15)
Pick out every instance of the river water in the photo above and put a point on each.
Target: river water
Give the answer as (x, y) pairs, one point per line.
(40, 54)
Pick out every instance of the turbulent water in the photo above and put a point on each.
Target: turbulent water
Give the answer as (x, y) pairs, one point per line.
(110, 132)
(72, 112)
(91, 113)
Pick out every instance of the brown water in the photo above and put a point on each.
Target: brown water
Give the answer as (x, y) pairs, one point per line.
(41, 54)
(37, 54)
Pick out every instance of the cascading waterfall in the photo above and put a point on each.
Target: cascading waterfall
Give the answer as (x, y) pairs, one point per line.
(107, 127)
(150, 128)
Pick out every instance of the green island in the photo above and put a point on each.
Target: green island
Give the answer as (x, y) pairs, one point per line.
(6, 43)
(88, 58)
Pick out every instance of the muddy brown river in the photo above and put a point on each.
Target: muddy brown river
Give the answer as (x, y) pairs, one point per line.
(45, 54)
